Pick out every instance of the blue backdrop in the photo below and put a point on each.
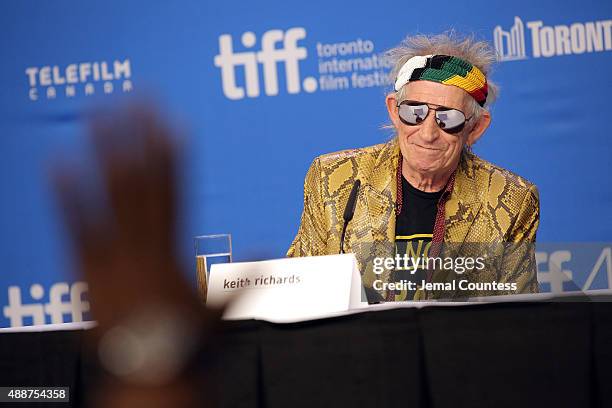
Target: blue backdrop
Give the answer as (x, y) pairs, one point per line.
(264, 87)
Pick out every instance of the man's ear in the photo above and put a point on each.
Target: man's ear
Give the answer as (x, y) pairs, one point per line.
(391, 101)
(479, 128)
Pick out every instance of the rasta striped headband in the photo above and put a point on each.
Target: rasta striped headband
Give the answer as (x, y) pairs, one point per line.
(445, 70)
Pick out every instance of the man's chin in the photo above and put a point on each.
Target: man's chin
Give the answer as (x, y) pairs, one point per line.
(427, 167)
(424, 172)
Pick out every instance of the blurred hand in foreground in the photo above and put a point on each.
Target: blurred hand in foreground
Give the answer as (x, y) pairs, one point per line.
(150, 319)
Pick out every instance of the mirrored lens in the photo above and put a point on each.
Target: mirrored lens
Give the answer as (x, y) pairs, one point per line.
(450, 119)
(413, 114)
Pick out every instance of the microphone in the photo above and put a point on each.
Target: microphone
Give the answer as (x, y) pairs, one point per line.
(349, 211)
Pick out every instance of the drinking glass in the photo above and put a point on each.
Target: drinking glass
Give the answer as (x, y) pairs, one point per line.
(211, 249)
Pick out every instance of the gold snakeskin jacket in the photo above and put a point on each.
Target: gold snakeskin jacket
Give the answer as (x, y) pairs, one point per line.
(489, 206)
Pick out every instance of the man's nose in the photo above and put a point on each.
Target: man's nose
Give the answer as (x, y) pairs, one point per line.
(429, 128)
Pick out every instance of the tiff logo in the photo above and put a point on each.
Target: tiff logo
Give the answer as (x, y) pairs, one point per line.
(56, 308)
(269, 56)
(510, 45)
(556, 275)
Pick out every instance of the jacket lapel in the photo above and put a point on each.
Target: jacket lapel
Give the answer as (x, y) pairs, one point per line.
(381, 193)
(464, 204)
(373, 227)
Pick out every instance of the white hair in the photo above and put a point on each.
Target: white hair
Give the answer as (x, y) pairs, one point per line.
(477, 53)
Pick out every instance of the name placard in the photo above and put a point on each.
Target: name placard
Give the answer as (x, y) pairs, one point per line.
(288, 289)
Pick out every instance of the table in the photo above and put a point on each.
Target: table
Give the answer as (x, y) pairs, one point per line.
(547, 354)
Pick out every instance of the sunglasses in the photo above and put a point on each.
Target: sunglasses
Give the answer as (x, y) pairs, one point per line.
(449, 120)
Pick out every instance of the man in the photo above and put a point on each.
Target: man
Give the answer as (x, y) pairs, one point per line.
(425, 187)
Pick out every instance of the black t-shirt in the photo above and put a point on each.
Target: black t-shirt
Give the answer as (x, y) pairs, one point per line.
(413, 232)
